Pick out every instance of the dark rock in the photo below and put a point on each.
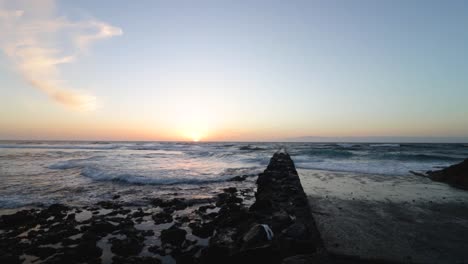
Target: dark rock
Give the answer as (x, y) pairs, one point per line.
(173, 235)
(227, 198)
(127, 247)
(8, 258)
(109, 205)
(135, 260)
(256, 237)
(202, 230)
(175, 204)
(162, 217)
(102, 228)
(455, 175)
(238, 178)
(88, 250)
(71, 217)
(297, 231)
(115, 197)
(17, 219)
(157, 250)
(299, 259)
(139, 213)
(203, 208)
(55, 209)
(41, 252)
(147, 233)
(230, 190)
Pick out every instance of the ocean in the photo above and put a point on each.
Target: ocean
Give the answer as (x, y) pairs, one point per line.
(39, 173)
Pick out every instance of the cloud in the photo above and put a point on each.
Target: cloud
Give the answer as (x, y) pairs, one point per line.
(38, 42)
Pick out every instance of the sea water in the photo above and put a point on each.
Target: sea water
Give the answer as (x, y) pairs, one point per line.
(39, 173)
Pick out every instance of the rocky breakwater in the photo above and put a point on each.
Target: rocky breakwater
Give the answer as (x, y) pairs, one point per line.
(455, 175)
(277, 228)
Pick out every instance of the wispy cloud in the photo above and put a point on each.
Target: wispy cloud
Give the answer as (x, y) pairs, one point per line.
(38, 42)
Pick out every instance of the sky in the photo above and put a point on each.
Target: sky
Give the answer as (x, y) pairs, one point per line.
(233, 70)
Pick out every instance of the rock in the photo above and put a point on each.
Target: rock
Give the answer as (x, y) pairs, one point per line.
(41, 252)
(230, 190)
(162, 218)
(157, 250)
(127, 247)
(10, 259)
(280, 220)
(109, 205)
(202, 230)
(135, 260)
(203, 208)
(147, 233)
(139, 213)
(257, 236)
(227, 198)
(88, 250)
(299, 259)
(455, 175)
(238, 178)
(115, 197)
(173, 235)
(157, 202)
(102, 228)
(175, 204)
(17, 219)
(57, 209)
(296, 231)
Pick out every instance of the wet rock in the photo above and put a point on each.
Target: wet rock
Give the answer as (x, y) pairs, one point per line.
(299, 259)
(109, 205)
(297, 231)
(8, 258)
(238, 178)
(102, 228)
(227, 198)
(186, 257)
(455, 175)
(203, 208)
(71, 217)
(88, 250)
(56, 209)
(147, 233)
(42, 252)
(175, 204)
(280, 220)
(257, 236)
(162, 218)
(202, 230)
(230, 190)
(127, 247)
(157, 250)
(19, 218)
(183, 219)
(135, 260)
(157, 202)
(115, 197)
(139, 213)
(173, 235)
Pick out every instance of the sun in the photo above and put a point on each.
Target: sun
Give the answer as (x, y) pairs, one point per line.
(195, 136)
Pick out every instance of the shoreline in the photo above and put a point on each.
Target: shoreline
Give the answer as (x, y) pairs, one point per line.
(295, 216)
(229, 227)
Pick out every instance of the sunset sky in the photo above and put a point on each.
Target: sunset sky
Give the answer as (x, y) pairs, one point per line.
(232, 70)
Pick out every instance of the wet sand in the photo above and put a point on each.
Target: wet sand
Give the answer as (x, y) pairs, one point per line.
(388, 218)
